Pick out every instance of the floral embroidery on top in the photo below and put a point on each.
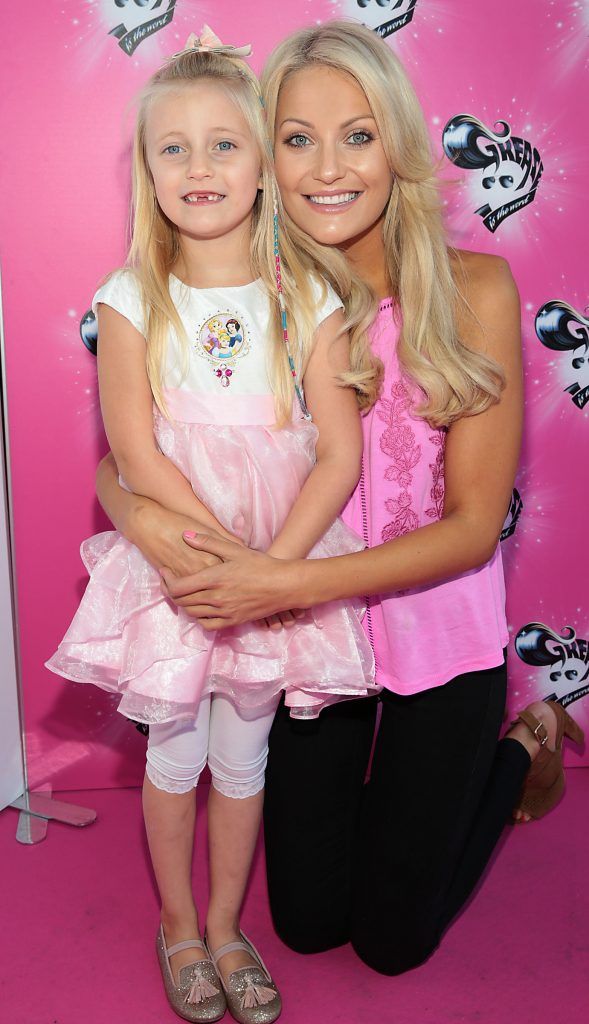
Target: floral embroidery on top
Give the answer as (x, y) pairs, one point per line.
(436, 493)
(398, 442)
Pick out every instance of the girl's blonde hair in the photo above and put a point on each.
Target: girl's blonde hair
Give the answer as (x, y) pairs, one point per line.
(155, 247)
(456, 381)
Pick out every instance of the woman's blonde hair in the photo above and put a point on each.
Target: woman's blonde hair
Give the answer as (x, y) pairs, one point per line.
(456, 381)
(155, 246)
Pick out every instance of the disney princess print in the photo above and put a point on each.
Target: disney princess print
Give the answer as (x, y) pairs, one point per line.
(223, 340)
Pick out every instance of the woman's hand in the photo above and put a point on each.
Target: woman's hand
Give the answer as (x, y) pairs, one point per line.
(280, 619)
(248, 585)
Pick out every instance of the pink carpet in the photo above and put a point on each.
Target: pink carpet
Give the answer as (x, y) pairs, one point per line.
(80, 916)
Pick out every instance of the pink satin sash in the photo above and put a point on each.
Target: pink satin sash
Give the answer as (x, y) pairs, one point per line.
(229, 409)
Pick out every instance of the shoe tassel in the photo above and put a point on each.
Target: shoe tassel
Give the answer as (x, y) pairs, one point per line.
(200, 990)
(256, 995)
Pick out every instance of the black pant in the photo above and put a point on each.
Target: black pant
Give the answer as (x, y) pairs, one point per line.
(387, 865)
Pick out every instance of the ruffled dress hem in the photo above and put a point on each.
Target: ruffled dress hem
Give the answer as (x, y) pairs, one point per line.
(128, 639)
(168, 711)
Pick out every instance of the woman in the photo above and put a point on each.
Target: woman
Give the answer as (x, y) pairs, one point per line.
(441, 448)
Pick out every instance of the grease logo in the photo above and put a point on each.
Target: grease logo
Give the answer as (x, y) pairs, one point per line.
(140, 19)
(509, 168)
(513, 513)
(563, 329)
(385, 16)
(564, 660)
(89, 331)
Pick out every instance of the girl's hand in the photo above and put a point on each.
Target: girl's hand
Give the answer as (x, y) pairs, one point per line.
(158, 532)
(155, 530)
(247, 587)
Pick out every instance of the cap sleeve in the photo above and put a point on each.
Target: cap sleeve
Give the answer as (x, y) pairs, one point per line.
(121, 291)
(326, 300)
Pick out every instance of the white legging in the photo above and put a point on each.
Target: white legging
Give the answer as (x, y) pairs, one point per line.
(233, 742)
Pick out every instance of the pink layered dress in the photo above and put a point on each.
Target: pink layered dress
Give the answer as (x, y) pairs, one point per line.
(126, 637)
(424, 636)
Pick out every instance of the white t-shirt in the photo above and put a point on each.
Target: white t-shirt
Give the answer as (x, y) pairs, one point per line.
(227, 331)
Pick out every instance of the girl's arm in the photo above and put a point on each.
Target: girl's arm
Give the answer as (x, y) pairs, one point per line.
(127, 412)
(339, 445)
(481, 460)
(156, 531)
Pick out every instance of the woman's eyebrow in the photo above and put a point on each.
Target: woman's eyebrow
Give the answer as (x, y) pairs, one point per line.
(345, 124)
(359, 117)
(296, 120)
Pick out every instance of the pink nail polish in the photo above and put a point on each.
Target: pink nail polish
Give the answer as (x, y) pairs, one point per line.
(190, 534)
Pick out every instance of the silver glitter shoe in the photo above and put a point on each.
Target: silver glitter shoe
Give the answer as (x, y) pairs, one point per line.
(252, 996)
(198, 996)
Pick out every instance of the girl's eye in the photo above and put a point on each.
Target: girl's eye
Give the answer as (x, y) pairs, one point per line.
(225, 146)
(173, 149)
(297, 141)
(360, 138)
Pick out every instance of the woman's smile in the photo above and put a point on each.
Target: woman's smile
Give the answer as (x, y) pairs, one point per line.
(333, 202)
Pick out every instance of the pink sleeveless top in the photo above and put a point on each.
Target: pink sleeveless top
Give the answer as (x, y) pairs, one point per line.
(425, 636)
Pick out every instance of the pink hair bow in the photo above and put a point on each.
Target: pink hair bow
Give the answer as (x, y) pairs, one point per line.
(208, 42)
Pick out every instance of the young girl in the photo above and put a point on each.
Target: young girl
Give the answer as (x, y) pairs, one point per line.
(441, 446)
(210, 429)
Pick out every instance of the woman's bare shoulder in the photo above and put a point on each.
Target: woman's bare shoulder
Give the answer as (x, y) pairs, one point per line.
(483, 280)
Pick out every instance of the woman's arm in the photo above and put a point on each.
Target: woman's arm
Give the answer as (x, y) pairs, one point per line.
(480, 464)
(156, 531)
(127, 412)
(339, 444)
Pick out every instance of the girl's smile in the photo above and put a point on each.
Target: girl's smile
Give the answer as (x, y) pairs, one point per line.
(203, 197)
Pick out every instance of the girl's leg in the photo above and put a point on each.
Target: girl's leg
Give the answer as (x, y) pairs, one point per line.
(436, 767)
(238, 751)
(176, 756)
(314, 785)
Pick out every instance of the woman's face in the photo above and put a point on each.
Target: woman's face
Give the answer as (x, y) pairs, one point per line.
(333, 174)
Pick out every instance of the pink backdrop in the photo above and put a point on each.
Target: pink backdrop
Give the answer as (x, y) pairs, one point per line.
(68, 76)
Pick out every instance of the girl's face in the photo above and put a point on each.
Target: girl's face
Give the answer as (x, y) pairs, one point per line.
(333, 174)
(204, 161)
